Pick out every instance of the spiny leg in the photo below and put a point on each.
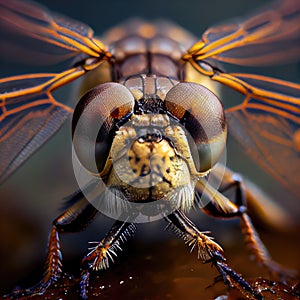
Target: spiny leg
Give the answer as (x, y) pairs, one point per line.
(239, 209)
(209, 251)
(253, 241)
(104, 252)
(74, 218)
(260, 252)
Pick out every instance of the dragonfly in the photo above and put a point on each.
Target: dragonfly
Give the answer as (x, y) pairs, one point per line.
(148, 133)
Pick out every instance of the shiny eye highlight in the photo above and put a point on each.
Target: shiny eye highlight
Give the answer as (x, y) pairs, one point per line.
(202, 114)
(93, 122)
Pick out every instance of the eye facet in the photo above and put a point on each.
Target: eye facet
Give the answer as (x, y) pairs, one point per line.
(202, 114)
(94, 119)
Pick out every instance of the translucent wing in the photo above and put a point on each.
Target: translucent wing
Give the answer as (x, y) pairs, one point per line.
(29, 115)
(267, 123)
(31, 33)
(271, 36)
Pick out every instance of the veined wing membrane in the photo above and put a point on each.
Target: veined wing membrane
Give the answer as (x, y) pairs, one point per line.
(267, 124)
(24, 133)
(267, 38)
(29, 115)
(43, 37)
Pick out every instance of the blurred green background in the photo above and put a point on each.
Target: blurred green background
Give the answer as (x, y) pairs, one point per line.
(31, 198)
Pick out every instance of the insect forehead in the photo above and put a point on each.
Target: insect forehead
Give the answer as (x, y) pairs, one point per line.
(150, 120)
(149, 92)
(148, 128)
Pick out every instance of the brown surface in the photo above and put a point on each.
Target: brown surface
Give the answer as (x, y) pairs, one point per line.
(166, 270)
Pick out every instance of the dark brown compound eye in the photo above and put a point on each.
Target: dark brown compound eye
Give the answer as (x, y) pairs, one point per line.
(202, 114)
(94, 119)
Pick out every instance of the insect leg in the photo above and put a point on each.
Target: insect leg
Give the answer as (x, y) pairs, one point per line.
(209, 251)
(267, 212)
(104, 252)
(233, 181)
(74, 218)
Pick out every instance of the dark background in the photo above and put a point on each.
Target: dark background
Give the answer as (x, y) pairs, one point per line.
(31, 198)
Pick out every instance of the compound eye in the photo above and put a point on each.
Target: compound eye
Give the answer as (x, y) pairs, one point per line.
(202, 114)
(93, 122)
